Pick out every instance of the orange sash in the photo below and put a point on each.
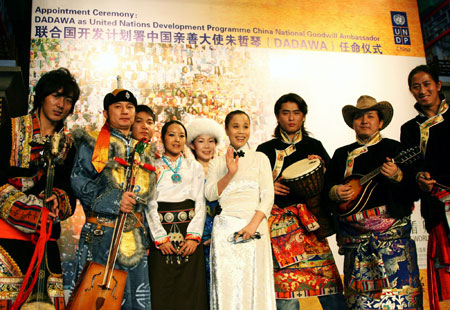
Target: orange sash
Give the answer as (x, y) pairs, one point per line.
(101, 149)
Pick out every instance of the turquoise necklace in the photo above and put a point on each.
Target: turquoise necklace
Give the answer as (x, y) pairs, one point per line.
(176, 177)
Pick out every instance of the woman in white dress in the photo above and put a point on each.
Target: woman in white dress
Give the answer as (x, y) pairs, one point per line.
(241, 257)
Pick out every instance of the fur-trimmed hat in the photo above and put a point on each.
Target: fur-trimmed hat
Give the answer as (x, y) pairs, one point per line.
(367, 103)
(119, 94)
(204, 126)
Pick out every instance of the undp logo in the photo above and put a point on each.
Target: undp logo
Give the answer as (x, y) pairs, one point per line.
(400, 28)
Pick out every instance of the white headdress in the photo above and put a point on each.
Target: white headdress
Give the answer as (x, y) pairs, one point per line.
(204, 126)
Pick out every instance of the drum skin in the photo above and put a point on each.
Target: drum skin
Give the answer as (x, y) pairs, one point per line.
(305, 177)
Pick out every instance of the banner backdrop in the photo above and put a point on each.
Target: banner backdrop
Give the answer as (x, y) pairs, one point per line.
(189, 59)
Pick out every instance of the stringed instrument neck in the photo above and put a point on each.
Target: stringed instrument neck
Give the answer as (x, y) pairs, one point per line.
(112, 256)
(402, 158)
(366, 178)
(363, 186)
(39, 298)
(120, 224)
(117, 235)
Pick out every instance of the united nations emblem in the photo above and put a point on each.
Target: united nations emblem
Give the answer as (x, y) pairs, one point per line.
(399, 19)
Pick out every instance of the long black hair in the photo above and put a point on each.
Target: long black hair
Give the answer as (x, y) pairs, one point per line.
(52, 82)
(302, 106)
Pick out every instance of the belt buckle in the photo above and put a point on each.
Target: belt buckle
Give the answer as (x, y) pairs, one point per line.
(98, 232)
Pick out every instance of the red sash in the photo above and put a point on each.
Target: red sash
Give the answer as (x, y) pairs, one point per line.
(10, 232)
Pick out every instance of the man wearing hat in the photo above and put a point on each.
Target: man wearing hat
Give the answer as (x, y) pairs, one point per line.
(99, 180)
(373, 214)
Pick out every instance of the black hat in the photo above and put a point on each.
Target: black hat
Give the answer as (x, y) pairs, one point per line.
(119, 94)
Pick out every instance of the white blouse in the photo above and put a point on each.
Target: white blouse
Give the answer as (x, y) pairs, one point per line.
(190, 187)
(250, 190)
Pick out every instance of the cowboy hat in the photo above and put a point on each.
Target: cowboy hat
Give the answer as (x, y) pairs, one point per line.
(367, 103)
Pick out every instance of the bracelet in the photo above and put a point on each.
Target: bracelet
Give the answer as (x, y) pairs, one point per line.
(420, 175)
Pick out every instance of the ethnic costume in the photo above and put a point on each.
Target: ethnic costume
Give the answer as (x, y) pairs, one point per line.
(212, 208)
(22, 184)
(432, 134)
(100, 194)
(303, 263)
(241, 273)
(205, 128)
(178, 215)
(380, 264)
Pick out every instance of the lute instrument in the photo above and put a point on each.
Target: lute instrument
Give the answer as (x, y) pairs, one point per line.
(364, 185)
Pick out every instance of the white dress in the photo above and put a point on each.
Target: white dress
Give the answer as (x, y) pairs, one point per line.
(241, 274)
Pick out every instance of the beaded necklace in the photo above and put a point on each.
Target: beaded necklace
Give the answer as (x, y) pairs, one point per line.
(176, 177)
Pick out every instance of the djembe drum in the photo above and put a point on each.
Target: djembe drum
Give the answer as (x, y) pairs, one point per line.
(305, 178)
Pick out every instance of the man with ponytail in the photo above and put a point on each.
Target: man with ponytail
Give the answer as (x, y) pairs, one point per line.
(303, 262)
